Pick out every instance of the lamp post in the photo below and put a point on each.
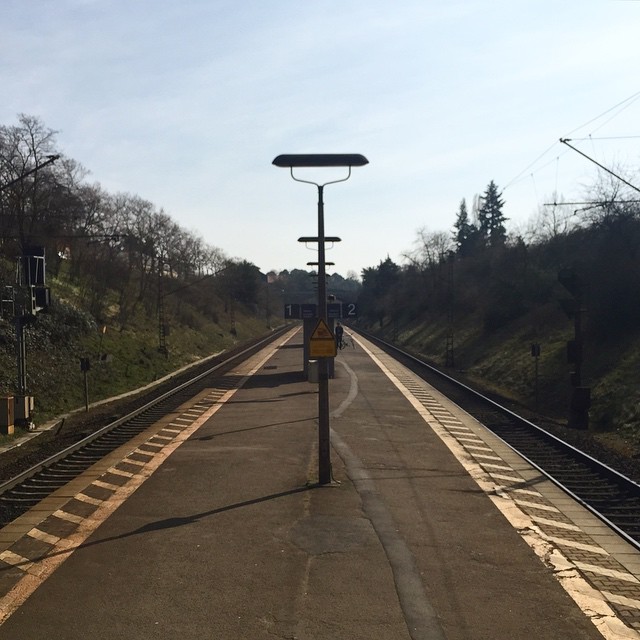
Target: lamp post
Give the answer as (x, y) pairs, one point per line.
(296, 161)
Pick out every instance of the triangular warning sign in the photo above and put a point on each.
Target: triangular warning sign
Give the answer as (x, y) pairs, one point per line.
(322, 343)
(322, 331)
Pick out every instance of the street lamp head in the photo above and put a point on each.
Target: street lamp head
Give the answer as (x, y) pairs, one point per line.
(320, 160)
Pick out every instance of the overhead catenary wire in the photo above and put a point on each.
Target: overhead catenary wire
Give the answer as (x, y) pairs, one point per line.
(521, 177)
(535, 190)
(594, 202)
(616, 109)
(544, 153)
(631, 99)
(606, 138)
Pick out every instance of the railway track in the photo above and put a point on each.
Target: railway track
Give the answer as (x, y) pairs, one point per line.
(609, 494)
(57, 466)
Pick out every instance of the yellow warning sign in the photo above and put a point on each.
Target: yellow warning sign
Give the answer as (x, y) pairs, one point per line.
(322, 343)
(322, 331)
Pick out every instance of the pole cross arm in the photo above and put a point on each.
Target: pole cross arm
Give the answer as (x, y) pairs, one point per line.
(316, 239)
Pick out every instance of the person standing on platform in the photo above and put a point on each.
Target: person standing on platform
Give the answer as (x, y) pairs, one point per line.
(339, 334)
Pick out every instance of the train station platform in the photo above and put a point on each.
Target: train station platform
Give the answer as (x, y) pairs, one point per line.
(214, 527)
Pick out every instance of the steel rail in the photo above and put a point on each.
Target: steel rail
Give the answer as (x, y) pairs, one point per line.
(80, 444)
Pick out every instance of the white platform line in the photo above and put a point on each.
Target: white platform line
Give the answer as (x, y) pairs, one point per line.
(623, 600)
(488, 465)
(43, 536)
(69, 517)
(603, 571)
(138, 463)
(514, 479)
(88, 499)
(524, 492)
(535, 505)
(578, 545)
(118, 472)
(105, 485)
(14, 559)
(553, 523)
(472, 448)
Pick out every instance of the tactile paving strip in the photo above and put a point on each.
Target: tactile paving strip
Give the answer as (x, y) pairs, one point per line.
(619, 587)
(25, 554)
(29, 554)
(36, 553)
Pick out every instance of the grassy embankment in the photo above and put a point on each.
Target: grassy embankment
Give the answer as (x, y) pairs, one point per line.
(501, 363)
(122, 358)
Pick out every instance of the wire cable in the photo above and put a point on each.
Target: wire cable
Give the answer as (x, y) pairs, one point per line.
(627, 102)
(630, 100)
(513, 180)
(590, 137)
(519, 177)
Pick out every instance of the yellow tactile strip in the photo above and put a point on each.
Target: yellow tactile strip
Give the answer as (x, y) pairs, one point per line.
(41, 539)
(569, 549)
(28, 554)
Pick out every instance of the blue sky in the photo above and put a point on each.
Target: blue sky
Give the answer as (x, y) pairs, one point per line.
(187, 103)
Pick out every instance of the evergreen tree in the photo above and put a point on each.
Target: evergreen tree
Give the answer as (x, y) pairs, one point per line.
(490, 217)
(378, 286)
(466, 232)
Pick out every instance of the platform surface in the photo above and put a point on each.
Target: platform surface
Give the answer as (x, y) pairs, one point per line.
(215, 527)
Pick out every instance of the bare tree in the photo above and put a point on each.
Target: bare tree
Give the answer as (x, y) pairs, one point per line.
(610, 202)
(552, 220)
(432, 247)
(24, 203)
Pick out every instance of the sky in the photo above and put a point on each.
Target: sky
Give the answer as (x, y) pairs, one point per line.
(186, 104)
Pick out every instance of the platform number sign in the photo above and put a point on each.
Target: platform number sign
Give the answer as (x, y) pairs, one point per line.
(299, 311)
(292, 311)
(349, 310)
